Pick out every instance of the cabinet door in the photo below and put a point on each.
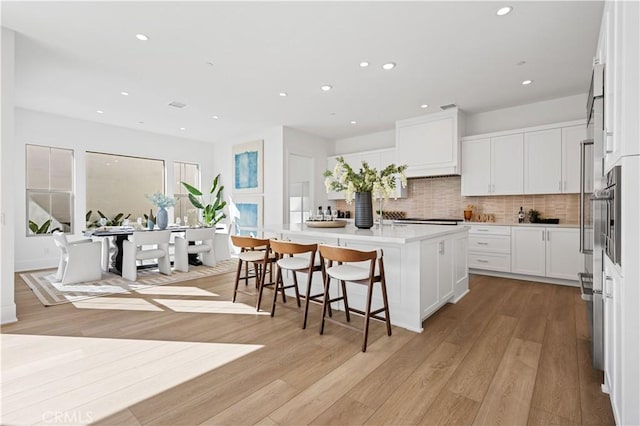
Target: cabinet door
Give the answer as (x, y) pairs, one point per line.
(528, 250)
(571, 138)
(563, 253)
(429, 278)
(542, 165)
(445, 270)
(507, 160)
(476, 167)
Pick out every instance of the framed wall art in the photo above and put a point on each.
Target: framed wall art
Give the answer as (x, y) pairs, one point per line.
(248, 168)
(246, 214)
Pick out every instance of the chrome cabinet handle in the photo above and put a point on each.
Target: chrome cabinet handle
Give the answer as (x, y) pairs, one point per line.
(607, 135)
(483, 261)
(543, 235)
(482, 244)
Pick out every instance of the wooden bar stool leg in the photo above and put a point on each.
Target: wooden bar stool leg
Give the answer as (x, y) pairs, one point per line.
(383, 286)
(346, 302)
(235, 288)
(367, 316)
(295, 287)
(260, 283)
(325, 302)
(306, 299)
(278, 286)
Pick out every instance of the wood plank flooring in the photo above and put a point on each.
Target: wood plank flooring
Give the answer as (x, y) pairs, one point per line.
(510, 353)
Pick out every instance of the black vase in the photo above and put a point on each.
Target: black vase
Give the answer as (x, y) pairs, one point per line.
(364, 210)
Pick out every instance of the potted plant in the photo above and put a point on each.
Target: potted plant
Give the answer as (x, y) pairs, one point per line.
(212, 211)
(362, 185)
(534, 216)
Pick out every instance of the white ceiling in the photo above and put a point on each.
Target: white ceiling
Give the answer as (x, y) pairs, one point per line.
(73, 58)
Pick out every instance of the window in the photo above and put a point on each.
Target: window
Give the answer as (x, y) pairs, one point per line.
(117, 187)
(189, 173)
(49, 189)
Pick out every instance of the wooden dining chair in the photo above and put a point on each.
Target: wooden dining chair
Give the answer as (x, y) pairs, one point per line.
(257, 252)
(339, 264)
(296, 258)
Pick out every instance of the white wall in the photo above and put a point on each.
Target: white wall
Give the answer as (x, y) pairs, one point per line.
(368, 142)
(39, 128)
(307, 145)
(528, 115)
(7, 202)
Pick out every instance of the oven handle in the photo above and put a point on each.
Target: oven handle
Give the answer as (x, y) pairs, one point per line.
(585, 296)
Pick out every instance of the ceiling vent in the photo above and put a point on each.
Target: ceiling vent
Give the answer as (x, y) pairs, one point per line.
(448, 106)
(177, 104)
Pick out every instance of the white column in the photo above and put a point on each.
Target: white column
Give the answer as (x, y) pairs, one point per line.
(7, 149)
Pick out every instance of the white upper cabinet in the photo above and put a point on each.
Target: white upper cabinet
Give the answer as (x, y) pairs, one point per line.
(492, 166)
(429, 145)
(543, 162)
(507, 161)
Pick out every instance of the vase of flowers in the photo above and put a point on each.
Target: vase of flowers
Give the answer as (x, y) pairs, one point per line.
(162, 201)
(363, 185)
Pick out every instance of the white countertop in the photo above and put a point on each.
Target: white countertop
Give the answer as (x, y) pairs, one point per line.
(392, 233)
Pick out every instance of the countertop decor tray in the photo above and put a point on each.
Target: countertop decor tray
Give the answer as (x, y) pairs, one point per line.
(326, 223)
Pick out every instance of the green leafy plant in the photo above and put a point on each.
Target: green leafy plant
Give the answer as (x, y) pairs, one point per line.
(381, 184)
(115, 221)
(534, 215)
(212, 210)
(42, 229)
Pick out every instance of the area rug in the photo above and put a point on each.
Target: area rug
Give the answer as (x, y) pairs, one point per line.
(50, 293)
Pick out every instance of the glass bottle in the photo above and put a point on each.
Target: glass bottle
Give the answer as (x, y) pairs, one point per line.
(320, 214)
(327, 214)
(521, 216)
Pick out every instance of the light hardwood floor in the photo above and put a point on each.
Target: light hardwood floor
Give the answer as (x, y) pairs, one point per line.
(510, 353)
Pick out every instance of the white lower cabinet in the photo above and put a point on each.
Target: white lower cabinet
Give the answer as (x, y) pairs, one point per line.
(490, 248)
(612, 284)
(445, 263)
(546, 252)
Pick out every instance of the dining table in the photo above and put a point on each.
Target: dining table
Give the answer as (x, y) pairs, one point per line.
(121, 233)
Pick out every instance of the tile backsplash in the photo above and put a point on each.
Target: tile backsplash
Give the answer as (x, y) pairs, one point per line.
(440, 198)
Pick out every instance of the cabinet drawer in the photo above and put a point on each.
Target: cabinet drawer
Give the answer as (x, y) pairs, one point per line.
(490, 229)
(491, 262)
(490, 243)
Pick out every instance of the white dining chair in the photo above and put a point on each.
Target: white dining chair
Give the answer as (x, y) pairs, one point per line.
(203, 239)
(134, 249)
(80, 260)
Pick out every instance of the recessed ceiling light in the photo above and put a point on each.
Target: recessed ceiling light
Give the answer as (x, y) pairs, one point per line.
(527, 82)
(389, 66)
(140, 122)
(326, 88)
(521, 63)
(283, 94)
(209, 63)
(124, 93)
(182, 128)
(504, 11)
(215, 117)
(364, 64)
(100, 111)
(142, 37)
(424, 106)
(354, 122)
(332, 113)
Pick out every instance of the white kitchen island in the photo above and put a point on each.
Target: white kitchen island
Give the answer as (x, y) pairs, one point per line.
(425, 265)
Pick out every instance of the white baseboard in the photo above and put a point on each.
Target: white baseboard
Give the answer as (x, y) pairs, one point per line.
(8, 314)
(33, 264)
(533, 278)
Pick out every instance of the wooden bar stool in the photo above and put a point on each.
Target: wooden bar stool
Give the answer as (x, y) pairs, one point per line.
(257, 252)
(305, 262)
(344, 272)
